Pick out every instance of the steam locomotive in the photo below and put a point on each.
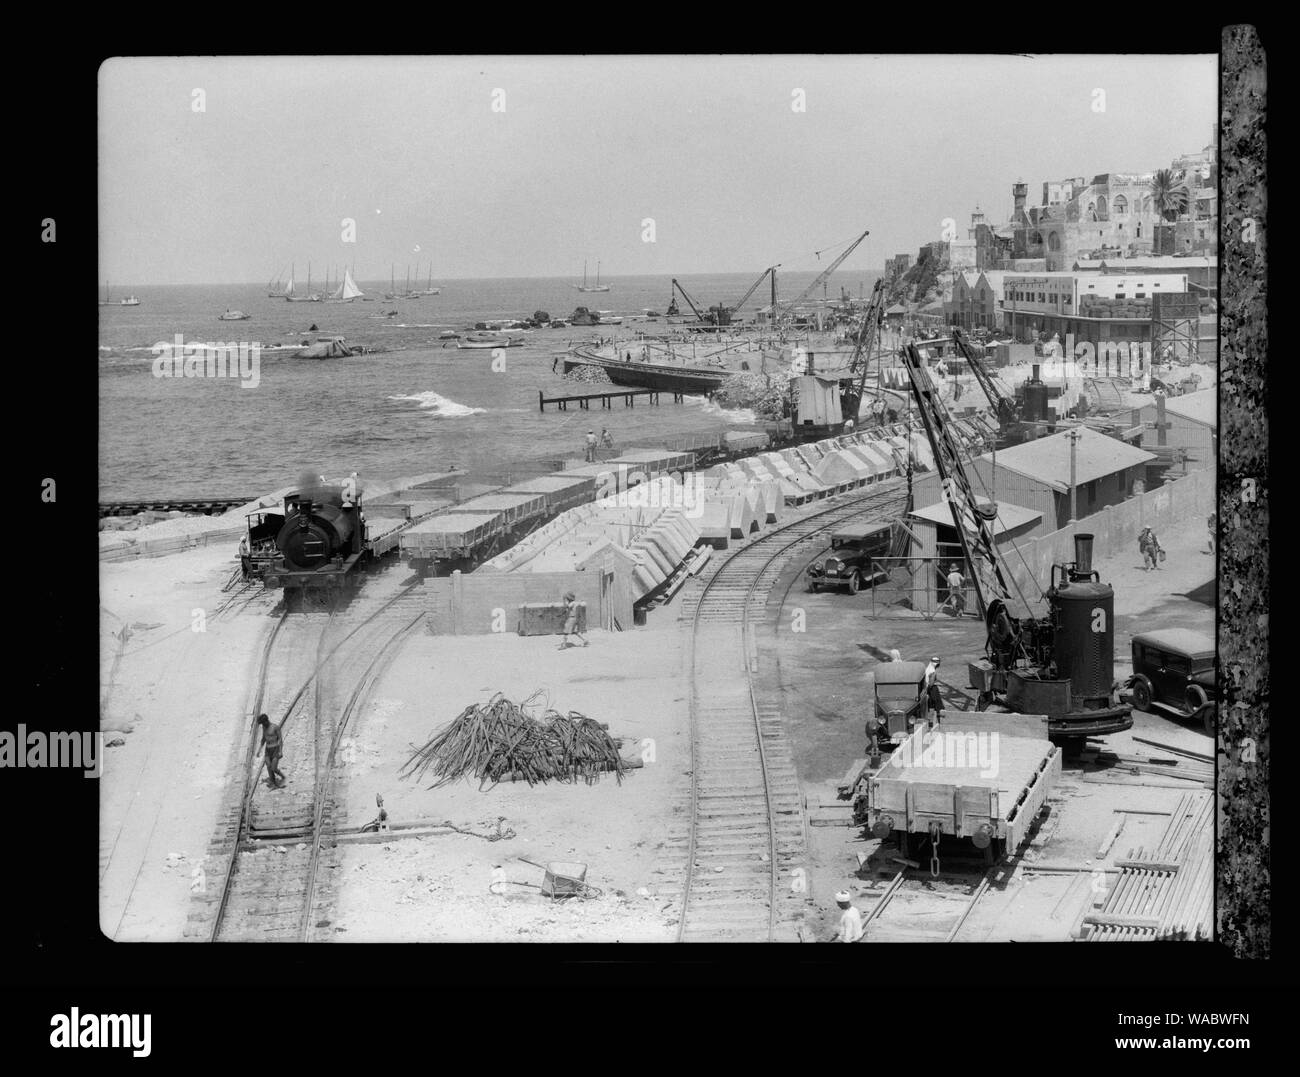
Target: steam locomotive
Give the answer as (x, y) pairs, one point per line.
(316, 543)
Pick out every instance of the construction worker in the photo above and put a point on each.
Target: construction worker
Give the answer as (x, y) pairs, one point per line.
(273, 744)
(956, 590)
(571, 621)
(1149, 546)
(932, 686)
(850, 926)
(590, 454)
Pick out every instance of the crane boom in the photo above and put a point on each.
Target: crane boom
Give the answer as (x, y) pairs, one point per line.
(754, 287)
(972, 520)
(825, 273)
(1004, 405)
(689, 301)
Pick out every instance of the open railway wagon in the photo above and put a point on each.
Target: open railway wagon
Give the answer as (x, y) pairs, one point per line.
(976, 780)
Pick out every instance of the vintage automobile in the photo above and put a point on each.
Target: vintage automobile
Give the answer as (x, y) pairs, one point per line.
(896, 701)
(850, 562)
(1173, 670)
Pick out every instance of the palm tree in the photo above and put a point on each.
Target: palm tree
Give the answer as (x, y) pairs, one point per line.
(1169, 194)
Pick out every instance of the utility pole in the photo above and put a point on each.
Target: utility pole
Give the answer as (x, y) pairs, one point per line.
(1074, 436)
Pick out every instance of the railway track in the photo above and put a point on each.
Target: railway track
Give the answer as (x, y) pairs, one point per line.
(274, 846)
(744, 875)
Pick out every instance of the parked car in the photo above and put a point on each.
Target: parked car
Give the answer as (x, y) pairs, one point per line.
(1173, 670)
(851, 560)
(896, 701)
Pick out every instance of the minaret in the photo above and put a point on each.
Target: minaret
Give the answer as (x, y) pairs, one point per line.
(1019, 191)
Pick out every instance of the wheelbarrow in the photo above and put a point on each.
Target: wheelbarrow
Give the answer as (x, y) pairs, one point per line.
(564, 878)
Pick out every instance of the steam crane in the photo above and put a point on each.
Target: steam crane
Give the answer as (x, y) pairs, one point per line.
(867, 334)
(824, 275)
(1004, 404)
(719, 314)
(1060, 665)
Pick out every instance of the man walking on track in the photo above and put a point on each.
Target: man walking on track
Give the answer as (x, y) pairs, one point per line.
(273, 743)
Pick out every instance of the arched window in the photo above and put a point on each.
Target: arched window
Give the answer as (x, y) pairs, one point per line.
(1036, 239)
(1101, 206)
(1053, 241)
(1121, 205)
(1092, 210)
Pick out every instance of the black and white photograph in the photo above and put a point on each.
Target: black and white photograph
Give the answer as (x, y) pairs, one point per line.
(658, 499)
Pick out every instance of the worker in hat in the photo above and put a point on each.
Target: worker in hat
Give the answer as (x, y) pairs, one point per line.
(850, 926)
(956, 591)
(571, 621)
(932, 686)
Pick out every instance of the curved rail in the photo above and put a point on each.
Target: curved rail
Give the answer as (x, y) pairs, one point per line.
(736, 757)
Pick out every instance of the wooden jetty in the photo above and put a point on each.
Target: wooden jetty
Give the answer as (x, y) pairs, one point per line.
(583, 400)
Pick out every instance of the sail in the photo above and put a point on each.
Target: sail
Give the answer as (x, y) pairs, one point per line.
(288, 288)
(349, 289)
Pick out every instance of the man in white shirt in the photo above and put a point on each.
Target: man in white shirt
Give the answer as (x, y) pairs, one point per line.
(956, 590)
(850, 926)
(932, 686)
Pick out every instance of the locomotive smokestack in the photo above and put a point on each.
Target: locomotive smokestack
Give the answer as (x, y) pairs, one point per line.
(1082, 555)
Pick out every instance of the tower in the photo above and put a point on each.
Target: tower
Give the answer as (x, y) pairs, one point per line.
(1019, 192)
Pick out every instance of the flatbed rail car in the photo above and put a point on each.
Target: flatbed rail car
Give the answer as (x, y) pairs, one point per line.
(983, 779)
(562, 491)
(452, 540)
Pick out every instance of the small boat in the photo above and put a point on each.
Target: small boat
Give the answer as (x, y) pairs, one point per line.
(449, 334)
(430, 289)
(597, 287)
(233, 316)
(483, 341)
(608, 317)
(277, 290)
(329, 348)
(347, 291)
(130, 301)
(310, 297)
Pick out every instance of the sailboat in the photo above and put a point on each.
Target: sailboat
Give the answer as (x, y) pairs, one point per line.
(347, 291)
(431, 290)
(310, 297)
(277, 290)
(597, 287)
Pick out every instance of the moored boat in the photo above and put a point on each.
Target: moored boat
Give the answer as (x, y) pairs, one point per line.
(233, 316)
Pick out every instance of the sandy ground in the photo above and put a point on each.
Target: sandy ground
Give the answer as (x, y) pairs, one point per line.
(817, 671)
(440, 887)
(176, 701)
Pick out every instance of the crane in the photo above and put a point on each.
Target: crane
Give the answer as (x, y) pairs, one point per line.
(1004, 404)
(1060, 665)
(719, 314)
(752, 289)
(875, 312)
(672, 305)
(824, 275)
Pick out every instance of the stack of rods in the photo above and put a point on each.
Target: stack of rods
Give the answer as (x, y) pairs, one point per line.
(501, 741)
(1180, 899)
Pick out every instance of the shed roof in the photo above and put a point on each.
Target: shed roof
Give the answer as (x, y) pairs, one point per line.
(1201, 406)
(1047, 460)
(1008, 519)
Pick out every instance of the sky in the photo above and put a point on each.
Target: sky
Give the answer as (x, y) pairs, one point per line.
(527, 166)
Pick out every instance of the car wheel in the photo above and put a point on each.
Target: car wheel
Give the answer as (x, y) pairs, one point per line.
(855, 583)
(1141, 695)
(1199, 703)
(814, 588)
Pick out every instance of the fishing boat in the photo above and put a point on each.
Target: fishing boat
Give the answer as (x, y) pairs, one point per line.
(608, 317)
(484, 341)
(233, 316)
(597, 287)
(347, 291)
(130, 301)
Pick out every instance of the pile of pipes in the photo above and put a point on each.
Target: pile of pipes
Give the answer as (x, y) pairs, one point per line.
(1166, 893)
(501, 741)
